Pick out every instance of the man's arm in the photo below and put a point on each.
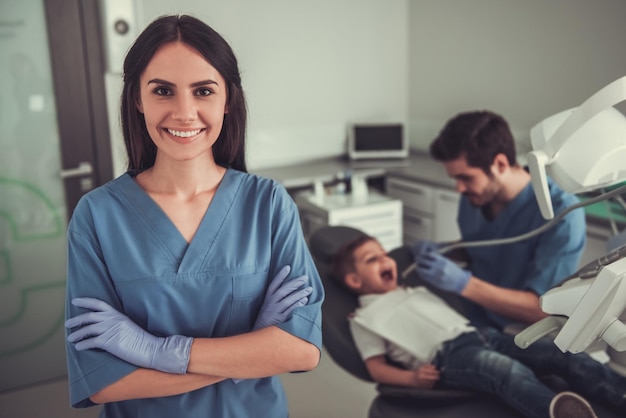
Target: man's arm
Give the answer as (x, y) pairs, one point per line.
(445, 274)
(517, 305)
(424, 377)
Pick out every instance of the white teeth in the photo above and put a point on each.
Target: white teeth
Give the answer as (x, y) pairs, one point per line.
(184, 134)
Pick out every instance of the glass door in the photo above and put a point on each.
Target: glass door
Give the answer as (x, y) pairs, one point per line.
(47, 150)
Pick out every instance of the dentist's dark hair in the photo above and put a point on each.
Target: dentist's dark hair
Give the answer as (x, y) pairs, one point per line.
(229, 149)
(478, 136)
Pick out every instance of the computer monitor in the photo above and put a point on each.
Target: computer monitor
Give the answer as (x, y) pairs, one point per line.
(377, 141)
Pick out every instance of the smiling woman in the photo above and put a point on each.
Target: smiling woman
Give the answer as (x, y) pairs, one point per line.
(168, 315)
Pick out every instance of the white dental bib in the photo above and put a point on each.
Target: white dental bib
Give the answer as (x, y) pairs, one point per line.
(413, 318)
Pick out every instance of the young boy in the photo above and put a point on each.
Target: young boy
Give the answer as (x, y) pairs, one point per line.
(438, 347)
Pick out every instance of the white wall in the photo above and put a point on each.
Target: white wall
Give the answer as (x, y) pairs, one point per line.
(308, 68)
(523, 59)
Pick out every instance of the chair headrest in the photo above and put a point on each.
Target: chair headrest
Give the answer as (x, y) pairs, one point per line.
(338, 302)
(327, 240)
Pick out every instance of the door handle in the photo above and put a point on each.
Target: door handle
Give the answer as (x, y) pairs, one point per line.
(85, 168)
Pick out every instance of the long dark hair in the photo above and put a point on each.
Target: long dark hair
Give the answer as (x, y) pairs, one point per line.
(229, 149)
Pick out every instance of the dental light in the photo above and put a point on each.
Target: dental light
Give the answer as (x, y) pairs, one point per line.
(583, 149)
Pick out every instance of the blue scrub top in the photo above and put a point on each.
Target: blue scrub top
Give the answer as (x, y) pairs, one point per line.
(535, 264)
(123, 249)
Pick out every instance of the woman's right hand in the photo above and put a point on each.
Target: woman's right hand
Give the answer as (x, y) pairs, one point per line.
(105, 328)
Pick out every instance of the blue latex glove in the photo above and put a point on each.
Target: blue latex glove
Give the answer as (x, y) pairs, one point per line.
(442, 272)
(109, 330)
(420, 248)
(281, 298)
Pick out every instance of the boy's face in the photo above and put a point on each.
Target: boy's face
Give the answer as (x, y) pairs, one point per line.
(374, 271)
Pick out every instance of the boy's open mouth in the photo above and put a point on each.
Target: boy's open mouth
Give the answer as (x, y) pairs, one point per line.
(387, 275)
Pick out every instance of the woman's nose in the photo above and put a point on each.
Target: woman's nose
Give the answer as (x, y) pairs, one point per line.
(185, 109)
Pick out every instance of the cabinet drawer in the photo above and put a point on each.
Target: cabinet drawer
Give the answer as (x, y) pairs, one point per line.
(414, 195)
(416, 227)
(376, 213)
(388, 231)
(390, 243)
(446, 208)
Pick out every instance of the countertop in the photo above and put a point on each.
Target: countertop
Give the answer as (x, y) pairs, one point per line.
(418, 167)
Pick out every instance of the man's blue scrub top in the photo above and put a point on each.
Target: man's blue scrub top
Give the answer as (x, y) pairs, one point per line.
(536, 264)
(123, 249)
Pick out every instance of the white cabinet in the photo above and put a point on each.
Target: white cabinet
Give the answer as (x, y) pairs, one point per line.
(429, 212)
(375, 214)
(446, 208)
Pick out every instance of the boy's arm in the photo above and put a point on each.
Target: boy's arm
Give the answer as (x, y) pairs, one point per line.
(424, 377)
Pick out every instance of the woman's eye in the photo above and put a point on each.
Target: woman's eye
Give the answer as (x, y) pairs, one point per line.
(162, 91)
(204, 92)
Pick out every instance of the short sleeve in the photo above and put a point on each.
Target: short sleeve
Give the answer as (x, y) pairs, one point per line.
(90, 370)
(290, 248)
(367, 342)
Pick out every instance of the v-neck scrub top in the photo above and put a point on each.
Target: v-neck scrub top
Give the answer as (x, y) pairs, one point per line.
(535, 264)
(123, 249)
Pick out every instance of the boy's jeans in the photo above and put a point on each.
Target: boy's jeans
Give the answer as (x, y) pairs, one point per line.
(488, 360)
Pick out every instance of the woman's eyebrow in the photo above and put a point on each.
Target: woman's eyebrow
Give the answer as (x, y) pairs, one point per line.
(159, 81)
(170, 84)
(204, 83)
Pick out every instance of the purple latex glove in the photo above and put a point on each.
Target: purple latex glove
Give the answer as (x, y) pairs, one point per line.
(442, 272)
(281, 298)
(109, 330)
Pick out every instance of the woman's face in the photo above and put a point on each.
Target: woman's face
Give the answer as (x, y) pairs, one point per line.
(183, 100)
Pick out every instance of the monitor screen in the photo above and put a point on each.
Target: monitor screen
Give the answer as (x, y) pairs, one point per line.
(377, 141)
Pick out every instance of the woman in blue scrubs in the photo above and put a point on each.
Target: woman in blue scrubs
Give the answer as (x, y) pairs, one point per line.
(177, 300)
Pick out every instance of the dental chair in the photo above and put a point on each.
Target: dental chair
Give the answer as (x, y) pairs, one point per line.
(391, 401)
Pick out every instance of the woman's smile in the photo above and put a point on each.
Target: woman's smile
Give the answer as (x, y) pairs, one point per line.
(183, 136)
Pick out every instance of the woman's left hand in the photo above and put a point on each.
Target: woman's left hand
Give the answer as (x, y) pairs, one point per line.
(281, 298)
